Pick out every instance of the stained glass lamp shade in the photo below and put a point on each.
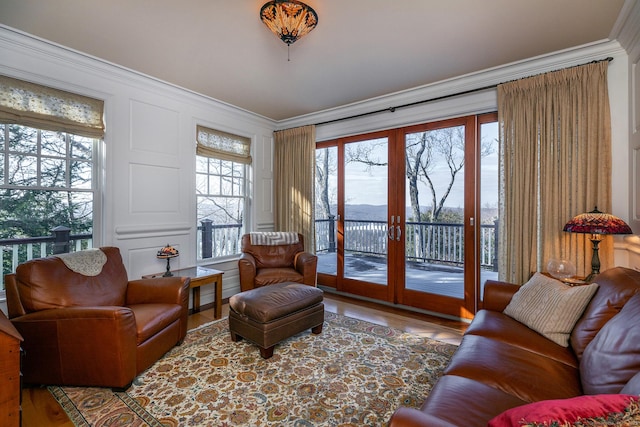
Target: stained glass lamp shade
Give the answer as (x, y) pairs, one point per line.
(596, 223)
(289, 20)
(167, 253)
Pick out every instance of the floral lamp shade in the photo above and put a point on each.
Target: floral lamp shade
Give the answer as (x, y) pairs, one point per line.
(596, 223)
(167, 253)
(289, 20)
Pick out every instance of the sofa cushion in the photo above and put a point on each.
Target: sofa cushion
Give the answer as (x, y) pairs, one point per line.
(615, 287)
(523, 374)
(153, 318)
(273, 256)
(466, 402)
(550, 307)
(601, 410)
(612, 358)
(46, 283)
(499, 326)
(633, 386)
(270, 276)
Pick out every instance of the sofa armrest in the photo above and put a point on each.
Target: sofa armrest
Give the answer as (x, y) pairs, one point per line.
(247, 271)
(306, 264)
(497, 294)
(79, 346)
(409, 417)
(166, 290)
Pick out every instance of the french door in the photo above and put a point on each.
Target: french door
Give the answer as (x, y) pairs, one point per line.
(398, 217)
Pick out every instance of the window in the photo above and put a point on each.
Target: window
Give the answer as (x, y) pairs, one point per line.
(222, 165)
(46, 181)
(48, 162)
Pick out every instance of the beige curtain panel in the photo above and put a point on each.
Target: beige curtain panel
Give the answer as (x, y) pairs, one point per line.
(294, 171)
(222, 145)
(555, 163)
(42, 107)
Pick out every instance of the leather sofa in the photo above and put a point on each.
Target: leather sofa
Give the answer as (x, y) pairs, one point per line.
(93, 328)
(266, 264)
(502, 364)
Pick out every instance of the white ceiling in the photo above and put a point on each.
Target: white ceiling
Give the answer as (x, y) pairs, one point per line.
(359, 50)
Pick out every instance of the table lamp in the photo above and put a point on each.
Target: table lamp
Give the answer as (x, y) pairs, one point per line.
(167, 253)
(596, 223)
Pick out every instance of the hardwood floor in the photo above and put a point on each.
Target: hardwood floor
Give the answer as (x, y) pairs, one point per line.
(39, 408)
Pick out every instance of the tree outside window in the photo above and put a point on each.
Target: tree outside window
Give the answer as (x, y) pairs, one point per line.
(222, 163)
(46, 181)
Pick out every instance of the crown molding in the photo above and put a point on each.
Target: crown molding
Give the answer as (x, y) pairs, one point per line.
(469, 82)
(627, 27)
(23, 50)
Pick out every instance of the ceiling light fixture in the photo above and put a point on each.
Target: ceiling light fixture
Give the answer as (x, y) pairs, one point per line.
(289, 20)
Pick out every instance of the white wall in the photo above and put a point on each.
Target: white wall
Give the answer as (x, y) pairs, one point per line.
(149, 172)
(630, 36)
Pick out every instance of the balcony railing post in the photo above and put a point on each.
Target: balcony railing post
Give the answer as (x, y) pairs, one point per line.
(207, 238)
(494, 261)
(332, 233)
(62, 239)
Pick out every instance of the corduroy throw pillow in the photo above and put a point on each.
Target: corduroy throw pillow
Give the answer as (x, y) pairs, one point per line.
(550, 307)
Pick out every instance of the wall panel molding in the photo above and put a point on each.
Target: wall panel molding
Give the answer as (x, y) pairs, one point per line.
(139, 231)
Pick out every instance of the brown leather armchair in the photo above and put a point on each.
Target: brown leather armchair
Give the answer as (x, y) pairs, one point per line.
(86, 329)
(261, 265)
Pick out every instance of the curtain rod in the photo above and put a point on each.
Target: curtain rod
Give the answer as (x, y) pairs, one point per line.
(466, 92)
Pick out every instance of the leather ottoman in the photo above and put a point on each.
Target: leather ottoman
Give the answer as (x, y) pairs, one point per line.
(270, 314)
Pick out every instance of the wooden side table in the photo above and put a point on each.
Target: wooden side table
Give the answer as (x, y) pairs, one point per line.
(200, 276)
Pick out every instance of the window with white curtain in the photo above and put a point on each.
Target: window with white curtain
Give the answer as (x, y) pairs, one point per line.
(222, 167)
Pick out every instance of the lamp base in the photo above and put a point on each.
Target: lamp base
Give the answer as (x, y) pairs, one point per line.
(595, 259)
(168, 273)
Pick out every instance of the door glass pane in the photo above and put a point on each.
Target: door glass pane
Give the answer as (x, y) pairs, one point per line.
(365, 210)
(326, 209)
(489, 190)
(434, 238)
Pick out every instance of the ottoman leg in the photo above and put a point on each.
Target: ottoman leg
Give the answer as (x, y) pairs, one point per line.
(266, 353)
(235, 337)
(317, 329)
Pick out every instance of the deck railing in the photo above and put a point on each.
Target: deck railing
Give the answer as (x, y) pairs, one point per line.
(16, 251)
(425, 242)
(218, 240)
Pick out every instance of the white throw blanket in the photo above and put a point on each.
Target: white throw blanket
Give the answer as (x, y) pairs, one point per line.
(88, 262)
(273, 238)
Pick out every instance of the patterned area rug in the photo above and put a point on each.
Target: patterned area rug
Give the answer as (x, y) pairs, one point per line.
(353, 374)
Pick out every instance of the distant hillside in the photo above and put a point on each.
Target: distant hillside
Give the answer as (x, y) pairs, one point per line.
(380, 213)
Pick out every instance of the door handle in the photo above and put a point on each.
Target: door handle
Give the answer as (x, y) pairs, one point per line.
(390, 233)
(398, 232)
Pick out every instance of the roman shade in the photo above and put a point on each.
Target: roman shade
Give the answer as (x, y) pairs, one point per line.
(42, 107)
(222, 145)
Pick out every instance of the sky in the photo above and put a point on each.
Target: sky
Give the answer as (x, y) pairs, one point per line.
(370, 186)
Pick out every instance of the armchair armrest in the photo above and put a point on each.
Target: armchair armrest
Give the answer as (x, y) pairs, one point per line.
(497, 294)
(167, 290)
(306, 264)
(410, 417)
(247, 271)
(79, 346)
(14, 305)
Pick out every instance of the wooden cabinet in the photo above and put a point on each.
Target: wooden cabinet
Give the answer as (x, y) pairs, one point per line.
(10, 381)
